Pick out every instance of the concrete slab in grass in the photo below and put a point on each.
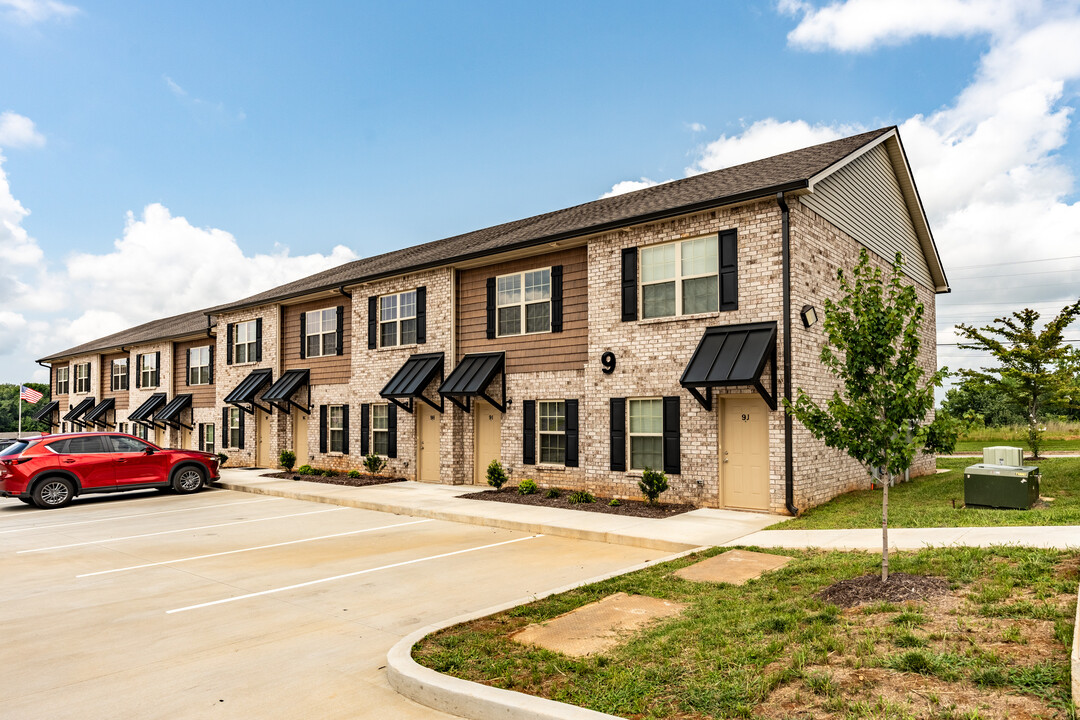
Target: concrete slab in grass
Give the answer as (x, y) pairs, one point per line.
(734, 566)
(598, 626)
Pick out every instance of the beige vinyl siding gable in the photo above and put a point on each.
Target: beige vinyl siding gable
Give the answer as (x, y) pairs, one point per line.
(863, 199)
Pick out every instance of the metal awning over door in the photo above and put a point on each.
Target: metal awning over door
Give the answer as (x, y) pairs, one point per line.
(473, 377)
(79, 410)
(45, 413)
(144, 413)
(247, 392)
(412, 380)
(97, 416)
(170, 414)
(730, 355)
(281, 393)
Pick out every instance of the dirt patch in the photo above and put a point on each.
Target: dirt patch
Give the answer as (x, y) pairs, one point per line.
(734, 566)
(901, 587)
(361, 481)
(633, 508)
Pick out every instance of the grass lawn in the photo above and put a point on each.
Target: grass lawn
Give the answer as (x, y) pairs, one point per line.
(996, 646)
(928, 502)
(1047, 445)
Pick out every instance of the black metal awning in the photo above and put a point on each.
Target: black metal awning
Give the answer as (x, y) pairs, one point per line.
(472, 377)
(170, 414)
(280, 394)
(412, 379)
(99, 415)
(144, 413)
(76, 412)
(732, 355)
(247, 392)
(45, 414)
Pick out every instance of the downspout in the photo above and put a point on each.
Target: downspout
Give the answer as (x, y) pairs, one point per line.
(343, 292)
(789, 461)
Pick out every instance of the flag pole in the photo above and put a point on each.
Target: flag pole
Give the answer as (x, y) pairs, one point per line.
(18, 432)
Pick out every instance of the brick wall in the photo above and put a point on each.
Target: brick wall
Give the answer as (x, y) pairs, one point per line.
(227, 377)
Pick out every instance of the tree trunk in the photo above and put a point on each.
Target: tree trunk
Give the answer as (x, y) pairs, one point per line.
(885, 526)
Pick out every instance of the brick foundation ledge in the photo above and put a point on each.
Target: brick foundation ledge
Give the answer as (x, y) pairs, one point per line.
(1076, 654)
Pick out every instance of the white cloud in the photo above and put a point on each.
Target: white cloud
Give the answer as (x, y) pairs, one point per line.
(625, 186)
(28, 12)
(204, 111)
(762, 139)
(18, 131)
(696, 127)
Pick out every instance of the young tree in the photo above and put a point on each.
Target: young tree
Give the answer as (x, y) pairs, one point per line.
(872, 347)
(1035, 369)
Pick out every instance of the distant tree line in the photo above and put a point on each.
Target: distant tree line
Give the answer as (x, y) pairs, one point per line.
(9, 408)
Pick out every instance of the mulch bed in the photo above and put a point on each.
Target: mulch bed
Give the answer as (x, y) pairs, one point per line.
(900, 588)
(361, 481)
(633, 508)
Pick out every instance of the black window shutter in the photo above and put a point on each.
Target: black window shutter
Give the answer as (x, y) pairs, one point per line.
(322, 428)
(391, 426)
(211, 378)
(225, 427)
(671, 436)
(491, 308)
(138, 371)
(229, 335)
(202, 443)
(365, 429)
(303, 334)
(340, 329)
(372, 322)
(187, 375)
(157, 369)
(528, 440)
(258, 340)
(729, 271)
(629, 284)
(112, 375)
(421, 315)
(89, 378)
(618, 433)
(571, 433)
(345, 429)
(556, 298)
(241, 414)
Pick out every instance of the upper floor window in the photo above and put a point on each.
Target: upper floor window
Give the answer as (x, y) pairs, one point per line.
(199, 366)
(680, 278)
(647, 434)
(148, 370)
(320, 332)
(63, 385)
(82, 378)
(245, 344)
(552, 431)
(523, 302)
(120, 374)
(397, 319)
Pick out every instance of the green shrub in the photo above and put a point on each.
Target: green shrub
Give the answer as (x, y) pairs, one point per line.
(329, 473)
(374, 464)
(941, 435)
(496, 475)
(580, 496)
(552, 493)
(527, 486)
(614, 502)
(305, 470)
(354, 474)
(652, 483)
(287, 458)
(222, 459)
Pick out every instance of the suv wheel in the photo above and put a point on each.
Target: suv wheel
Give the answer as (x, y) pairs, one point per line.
(54, 492)
(188, 479)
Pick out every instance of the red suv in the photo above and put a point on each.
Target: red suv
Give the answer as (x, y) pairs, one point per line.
(50, 470)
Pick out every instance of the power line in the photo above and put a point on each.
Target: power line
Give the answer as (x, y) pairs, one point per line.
(1017, 262)
(1074, 340)
(1040, 272)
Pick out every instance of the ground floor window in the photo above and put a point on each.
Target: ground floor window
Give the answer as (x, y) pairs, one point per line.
(234, 427)
(206, 432)
(647, 434)
(122, 427)
(552, 431)
(141, 431)
(380, 429)
(336, 428)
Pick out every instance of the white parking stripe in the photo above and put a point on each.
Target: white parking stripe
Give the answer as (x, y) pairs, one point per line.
(260, 547)
(348, 575)
(125, 517)
(169, 532)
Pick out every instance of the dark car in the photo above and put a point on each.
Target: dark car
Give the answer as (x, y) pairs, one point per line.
(50, 470)
(6, 443)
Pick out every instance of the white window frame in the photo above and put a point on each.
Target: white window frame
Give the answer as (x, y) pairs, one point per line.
(148, 376)
(335, 429)
(318, 330)
(397, 318)
(631, 435)
(63, 380)
(140, 431)
(540, 417)
(249, 343)
(522, 303)
(208, 445)
(234, 426)
(199, 362)
(383, 410)
(678, 278)
(82, 378)
(119, 379)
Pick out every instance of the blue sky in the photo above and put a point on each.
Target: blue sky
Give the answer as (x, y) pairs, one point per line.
(145, 135)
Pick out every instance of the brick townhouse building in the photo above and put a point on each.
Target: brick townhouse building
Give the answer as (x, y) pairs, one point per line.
(659, 328)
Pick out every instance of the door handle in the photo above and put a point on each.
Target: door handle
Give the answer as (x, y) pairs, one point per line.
(121, 460)
(68, 461)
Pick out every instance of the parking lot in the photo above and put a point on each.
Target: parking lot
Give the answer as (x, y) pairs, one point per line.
(226, 604)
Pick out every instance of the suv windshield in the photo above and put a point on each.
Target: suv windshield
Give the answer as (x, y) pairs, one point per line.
(14, 449)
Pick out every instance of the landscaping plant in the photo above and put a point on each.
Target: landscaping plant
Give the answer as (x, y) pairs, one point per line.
(872, 341)
(305, 470)
(580, 496)
(552, 493)
(374, 463)
(287, 460)
(353, 474)
(527, 486)
(652, 483)
(496, 475)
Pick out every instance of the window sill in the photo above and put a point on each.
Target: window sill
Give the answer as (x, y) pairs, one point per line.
(523, 334)
(410, 346)
(550, 466)
(676, 318)
(243, 364)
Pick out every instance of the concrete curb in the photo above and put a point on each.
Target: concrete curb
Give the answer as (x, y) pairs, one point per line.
(481, 702)
(501, 523)
(1076, 654)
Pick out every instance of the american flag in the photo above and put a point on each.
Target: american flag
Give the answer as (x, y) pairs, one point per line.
(30, 395)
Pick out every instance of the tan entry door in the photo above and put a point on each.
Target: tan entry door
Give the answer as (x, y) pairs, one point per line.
(427, 452)
(185, 439)
(744, 453)
(300, 437)
(487, 439)
(262, 439)
(159, 436)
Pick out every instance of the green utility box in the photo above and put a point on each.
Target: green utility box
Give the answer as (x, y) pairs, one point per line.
(1001, 486)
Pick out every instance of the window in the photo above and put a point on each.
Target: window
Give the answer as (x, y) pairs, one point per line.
(336, 428)
(121, 427)
(527, 295)
(320, 332)
(63, 386)
(199, 366)
(680, 278)
(148, 370)
(120, 374)
(207, 438)
(82, 378)
(140, 431)
(86, 445)
(397, 319)
(380, 429)
(127, 445)
(234, 427)
(647, 434)
(552, 431)
(244, 347)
